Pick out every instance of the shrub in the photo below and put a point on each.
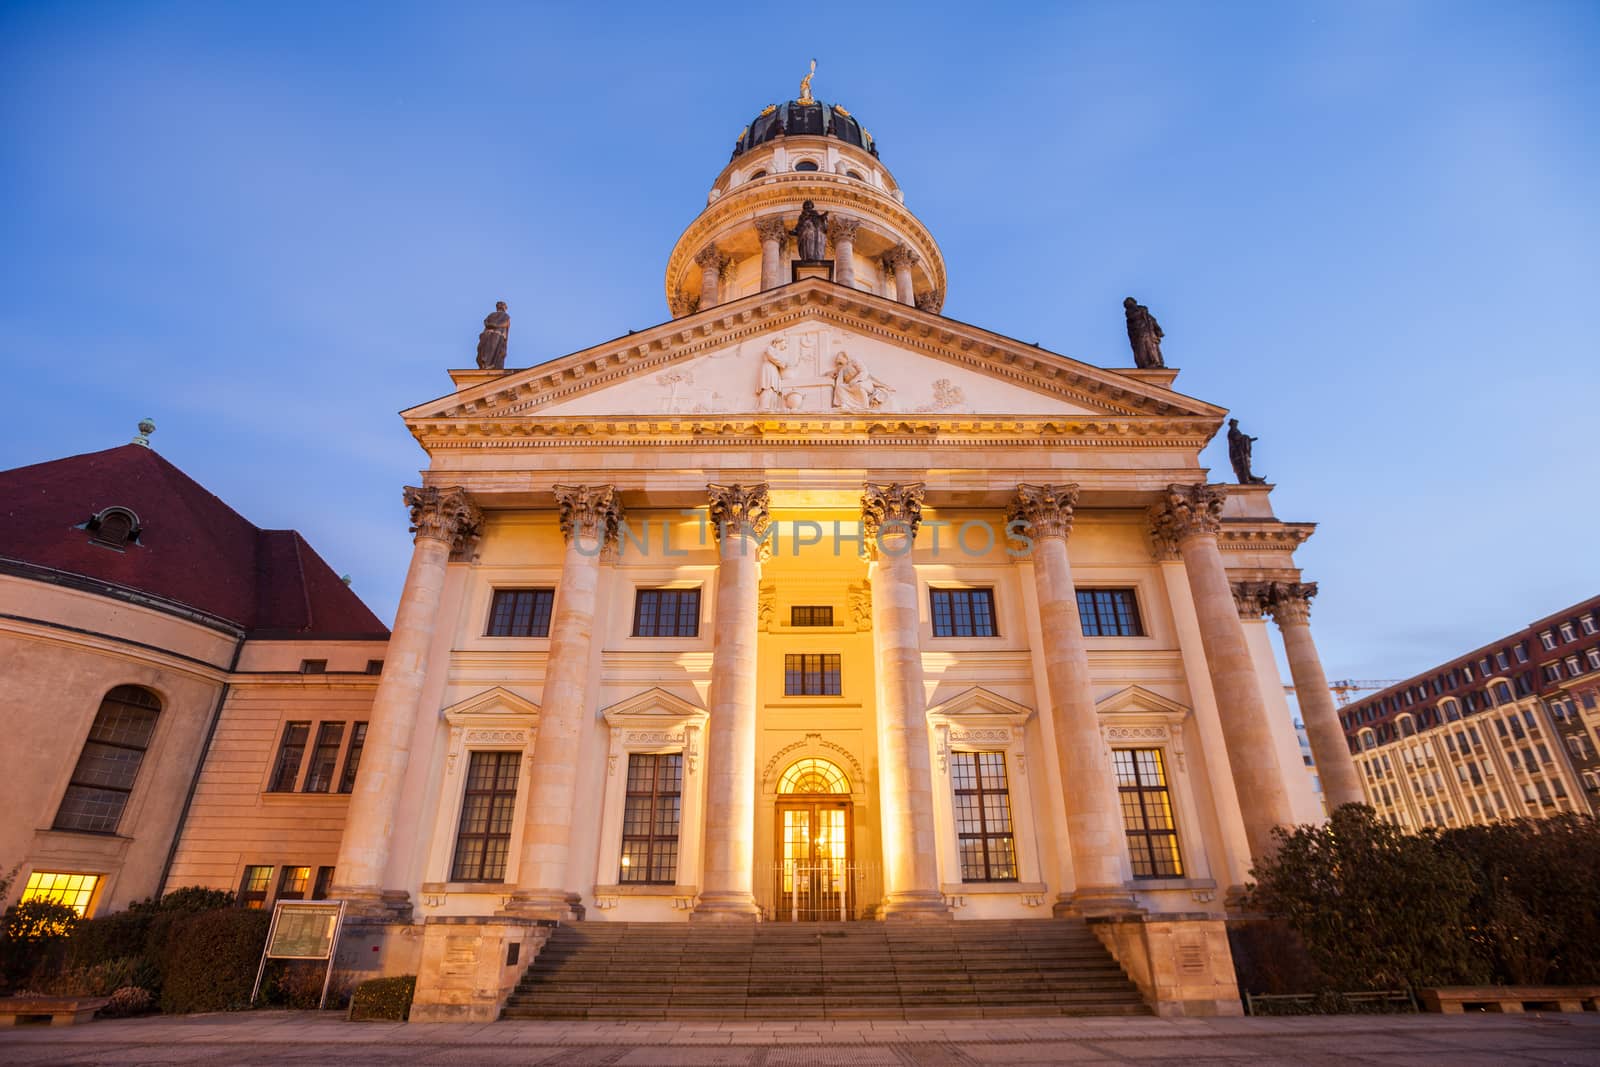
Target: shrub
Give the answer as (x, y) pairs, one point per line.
(384, 998)
(208, 961)
(102, 979)
(33, 937)
(188, 899)
(129, 1000)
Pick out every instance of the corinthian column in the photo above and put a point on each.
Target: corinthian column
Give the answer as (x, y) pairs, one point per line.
(890, 515)
(711, 262)
(589, 517)
(1095, 832)
(773, 234)
(1188, 523)
(739, 513)
(901, 259)
(842, 228)
(1290, 606)
(443, 520)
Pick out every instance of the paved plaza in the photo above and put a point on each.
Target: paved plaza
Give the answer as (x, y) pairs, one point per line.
(276, 1038)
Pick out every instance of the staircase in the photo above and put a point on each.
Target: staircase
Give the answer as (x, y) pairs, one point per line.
(856, 970)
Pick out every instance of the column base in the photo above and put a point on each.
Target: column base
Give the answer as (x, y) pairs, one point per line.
(726, 906)
(916, 905)
(1103, 901)
(372, 903)
(549, 905)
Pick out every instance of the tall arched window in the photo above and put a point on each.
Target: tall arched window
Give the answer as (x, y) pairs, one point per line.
(110, 761)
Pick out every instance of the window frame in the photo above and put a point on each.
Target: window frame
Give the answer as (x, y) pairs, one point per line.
(109, 740)
(350, 762)
(651, 839)
(318, 749)
(255, 899)
(953, 595)
(541, 605)
(1134, 612)
(678, 593)
(278, 767)
(1146, 835)
(803, 673)
(812, 614)
(983, 835)
(459, 871)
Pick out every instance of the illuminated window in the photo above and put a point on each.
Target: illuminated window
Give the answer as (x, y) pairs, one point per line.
(484, 837)
(73, 890)
(812, 775)
(1147, 813)
(962, 612)
(290, 751)
(811, 615)
(1109, 613)
(324, 757)
(521, 612)
(110, 761)
(667, 613)
(811, 674)
(292, 883)
(253, 887)
(352, 757)
(650, 818)
(983, 817)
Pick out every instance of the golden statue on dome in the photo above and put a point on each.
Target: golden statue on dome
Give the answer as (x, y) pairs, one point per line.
(805, 85)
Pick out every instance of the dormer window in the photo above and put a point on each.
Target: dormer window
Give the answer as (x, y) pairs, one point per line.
(114, 527)
(806, 164)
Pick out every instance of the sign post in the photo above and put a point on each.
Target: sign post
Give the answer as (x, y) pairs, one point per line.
(302, 930)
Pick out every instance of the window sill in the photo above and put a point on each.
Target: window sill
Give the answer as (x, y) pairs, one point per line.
(476, 888)
(972, 889)
(642, 889)
(283, 798)
(1172, 883)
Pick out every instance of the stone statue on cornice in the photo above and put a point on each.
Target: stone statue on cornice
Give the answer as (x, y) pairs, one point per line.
(811, 233)
(1144, 334)
(492, 341)
(1239, 448)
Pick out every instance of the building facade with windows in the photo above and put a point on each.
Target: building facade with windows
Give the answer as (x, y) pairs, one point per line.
(1510, 730)
(811, 603)
(145, 626)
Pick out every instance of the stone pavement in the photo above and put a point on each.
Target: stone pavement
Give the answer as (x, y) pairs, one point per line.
(277, 1038)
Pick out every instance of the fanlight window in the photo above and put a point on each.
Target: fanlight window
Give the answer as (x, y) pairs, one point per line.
(812, 775)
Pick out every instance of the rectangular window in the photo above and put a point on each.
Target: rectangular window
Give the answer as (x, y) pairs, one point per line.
(1587, 623)
(1147, 813)
(667, 613)
(1573, 667)
(1567, 632)
(811, 674)
(352, 757)
(374, 666)
(1548, 640)
(811, 615)
(313, 666)
(292, 883)
(1502, 661)
(963, 612)
(1594, 659)
(650, 819)
(287, 770)
(324, 882)
(483, 838)
(324, 757)
(1109, 613)
(521, 612)
(983, 817)
(253, 887)
(74, 890)
(1521, 652)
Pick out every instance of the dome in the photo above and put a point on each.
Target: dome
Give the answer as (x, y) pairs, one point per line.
(804, 118)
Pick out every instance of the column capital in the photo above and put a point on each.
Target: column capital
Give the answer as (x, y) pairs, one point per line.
(932, 301)
(771, 228)
(711, 258)
(444, 513)
(896, 504)
(739, 509)
(1186, 511)
(588, 511)
(1290, 602)
(900, 256)
(842, 227)
(1047, 509)
(1251, 598)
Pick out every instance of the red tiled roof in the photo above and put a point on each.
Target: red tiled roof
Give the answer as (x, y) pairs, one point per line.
(192, 548)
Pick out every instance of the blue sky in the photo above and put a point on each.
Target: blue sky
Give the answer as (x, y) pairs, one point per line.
(1369, 229)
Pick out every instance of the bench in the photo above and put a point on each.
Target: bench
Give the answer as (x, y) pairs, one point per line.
(52, 1011)
(1455, 999)
(1387, 1000)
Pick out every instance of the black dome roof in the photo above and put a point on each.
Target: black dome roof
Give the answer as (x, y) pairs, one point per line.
(797, 119)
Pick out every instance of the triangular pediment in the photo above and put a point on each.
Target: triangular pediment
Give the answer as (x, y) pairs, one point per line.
(498, 702)
(812, 351)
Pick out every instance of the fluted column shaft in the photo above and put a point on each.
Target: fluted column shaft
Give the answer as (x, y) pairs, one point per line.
(589, 516)
(441, 519)
(740, 517)
(773, 232)
(1190, 520)
(1290, 605)
(890, 516)
(843, 231)
(1095, 832)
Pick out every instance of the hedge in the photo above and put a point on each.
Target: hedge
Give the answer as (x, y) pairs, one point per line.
(384, 998)
(209, 960)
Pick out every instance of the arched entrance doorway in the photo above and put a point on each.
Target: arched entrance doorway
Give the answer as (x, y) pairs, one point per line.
(815, 875)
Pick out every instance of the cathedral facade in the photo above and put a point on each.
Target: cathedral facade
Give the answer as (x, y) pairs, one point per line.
(809, 604)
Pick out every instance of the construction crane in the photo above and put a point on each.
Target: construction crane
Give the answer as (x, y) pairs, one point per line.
(1345, 686)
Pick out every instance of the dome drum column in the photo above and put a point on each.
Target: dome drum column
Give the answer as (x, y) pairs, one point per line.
(900, 259)
(712, 262)
(842, 229)
(774, 232)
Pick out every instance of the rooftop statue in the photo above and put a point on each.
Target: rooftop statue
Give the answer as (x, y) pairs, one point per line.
(1144, 333)
(805, 85)
(492, 341)
(1239, 445)
(811, 233)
